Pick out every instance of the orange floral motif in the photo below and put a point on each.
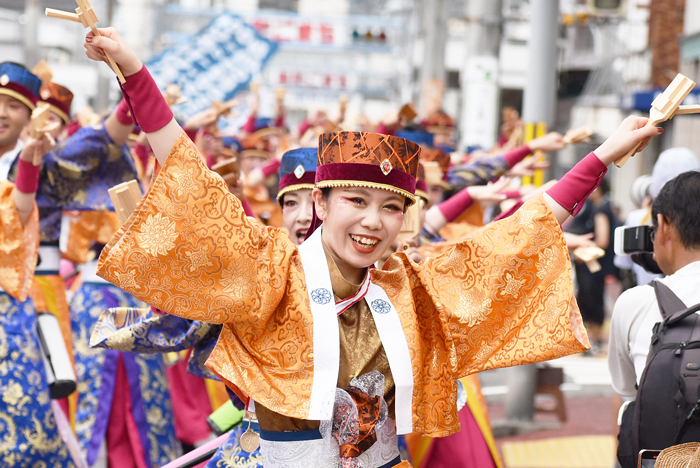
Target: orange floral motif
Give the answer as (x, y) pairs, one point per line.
(198, 259)
(473, 306)
(128, 279)
(512, 285)
(236, 279)
(479, 305)
(157, 235)
(184, 183)
(547, 263)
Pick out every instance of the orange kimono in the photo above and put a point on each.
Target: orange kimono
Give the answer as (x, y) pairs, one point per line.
(502, 298)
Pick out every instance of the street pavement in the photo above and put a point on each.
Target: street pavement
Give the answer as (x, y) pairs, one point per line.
(586, 440)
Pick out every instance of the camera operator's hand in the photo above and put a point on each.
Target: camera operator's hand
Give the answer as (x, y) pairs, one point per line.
(631, 132)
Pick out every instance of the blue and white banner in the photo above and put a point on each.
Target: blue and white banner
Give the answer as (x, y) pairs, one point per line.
(214, 64)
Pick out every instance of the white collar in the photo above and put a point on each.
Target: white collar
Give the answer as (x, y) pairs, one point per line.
(692, 268)
(7, 159)
(326, 338)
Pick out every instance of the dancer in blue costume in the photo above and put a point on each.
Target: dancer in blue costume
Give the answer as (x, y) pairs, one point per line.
(29, 432)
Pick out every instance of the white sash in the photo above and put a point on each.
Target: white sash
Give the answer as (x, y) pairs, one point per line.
(326, 350)
(326, 337)
(395, 345)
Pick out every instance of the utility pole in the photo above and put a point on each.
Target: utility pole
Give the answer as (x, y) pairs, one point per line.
(105, 76)
(33, 14)
(539, 102)
(480, 90)
(435, 39)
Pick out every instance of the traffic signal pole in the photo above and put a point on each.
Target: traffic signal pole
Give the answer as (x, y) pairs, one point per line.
(539, 100)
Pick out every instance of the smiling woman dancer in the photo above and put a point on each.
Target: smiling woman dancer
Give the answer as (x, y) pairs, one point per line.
(327, 394)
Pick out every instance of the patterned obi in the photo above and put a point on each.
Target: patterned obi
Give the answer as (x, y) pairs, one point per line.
(308, 448)
(359, 435)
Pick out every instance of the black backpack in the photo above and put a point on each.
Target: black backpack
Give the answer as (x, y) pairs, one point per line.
(666, 411)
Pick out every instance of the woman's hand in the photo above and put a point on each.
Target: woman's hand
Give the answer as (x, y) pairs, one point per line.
(552, 141)
(204, 119)
(112, 42)
(527, 167)
(35, 149)
(491, 193)
(631, 133)
(574, 241)
(410, 248)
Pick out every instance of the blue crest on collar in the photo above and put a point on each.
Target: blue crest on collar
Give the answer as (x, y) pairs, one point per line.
(20, 76)
(419, 138)
(293, 159)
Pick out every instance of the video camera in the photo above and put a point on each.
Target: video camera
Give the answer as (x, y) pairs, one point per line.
(633, 240)
(637, 242)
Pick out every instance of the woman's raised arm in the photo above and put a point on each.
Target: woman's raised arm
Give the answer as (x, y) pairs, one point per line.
(149, 108)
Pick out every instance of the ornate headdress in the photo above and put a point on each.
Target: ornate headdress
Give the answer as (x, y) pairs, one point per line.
(20, 83)
(359, 159)
(298, 170)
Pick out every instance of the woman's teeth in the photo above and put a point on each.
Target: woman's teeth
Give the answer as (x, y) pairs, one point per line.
(302, 233)
(364, 241)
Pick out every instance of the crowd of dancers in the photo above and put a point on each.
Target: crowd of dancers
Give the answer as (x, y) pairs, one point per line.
(219, 289)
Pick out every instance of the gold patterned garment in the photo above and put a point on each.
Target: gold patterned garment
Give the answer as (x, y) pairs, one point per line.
(361, 352)
(18, 246)
(502, 298)
(86, 228)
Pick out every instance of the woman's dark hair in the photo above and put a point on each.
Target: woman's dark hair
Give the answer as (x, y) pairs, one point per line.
(679, 203)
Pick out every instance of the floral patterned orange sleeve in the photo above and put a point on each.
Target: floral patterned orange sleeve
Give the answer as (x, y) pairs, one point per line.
(18, 246)
(190, 250)
(504, 297)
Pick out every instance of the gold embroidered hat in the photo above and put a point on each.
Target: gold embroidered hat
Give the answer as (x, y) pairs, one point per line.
(373, 160)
